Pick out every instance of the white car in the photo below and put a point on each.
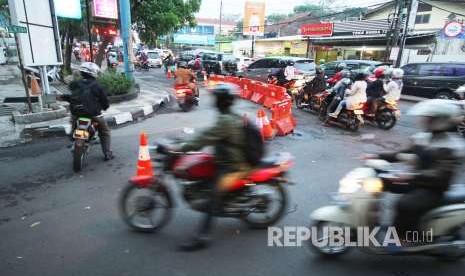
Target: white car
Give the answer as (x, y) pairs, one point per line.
(154, 58)
(243, 63)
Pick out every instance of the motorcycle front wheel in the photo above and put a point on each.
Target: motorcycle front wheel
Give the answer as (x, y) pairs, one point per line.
(262, 215)
(145, 209)
(320, 241)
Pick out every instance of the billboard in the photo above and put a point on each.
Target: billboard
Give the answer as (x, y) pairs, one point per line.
(41, 44)
(194, 39)
(106, 9)
(68, 8)
(254, 18)
(199, 30)
(317, 29)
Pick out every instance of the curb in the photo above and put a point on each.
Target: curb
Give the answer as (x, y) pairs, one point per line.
(113, 121)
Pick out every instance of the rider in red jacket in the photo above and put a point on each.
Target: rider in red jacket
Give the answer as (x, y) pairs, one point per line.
(338, 76)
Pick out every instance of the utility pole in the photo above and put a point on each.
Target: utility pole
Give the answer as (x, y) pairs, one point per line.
(89, 31)
(405, 24)
(393, 34)
(221, 21)
(125, 19)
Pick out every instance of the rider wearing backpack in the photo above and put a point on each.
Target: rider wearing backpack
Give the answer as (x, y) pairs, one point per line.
(234, 155)
(88, 98)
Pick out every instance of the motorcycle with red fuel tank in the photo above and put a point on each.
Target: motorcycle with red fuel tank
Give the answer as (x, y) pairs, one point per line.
(386, 115)
(259, 199)
(185, 97)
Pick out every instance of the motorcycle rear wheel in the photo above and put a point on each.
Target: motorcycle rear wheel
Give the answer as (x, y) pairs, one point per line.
(385, 119)
(458, 253)
(255, 223)
(144, 207)
(78, 157)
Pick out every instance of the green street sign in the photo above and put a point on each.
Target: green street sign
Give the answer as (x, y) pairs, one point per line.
(17, 29)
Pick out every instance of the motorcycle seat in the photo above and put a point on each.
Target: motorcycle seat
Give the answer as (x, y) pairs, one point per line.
(456, 194)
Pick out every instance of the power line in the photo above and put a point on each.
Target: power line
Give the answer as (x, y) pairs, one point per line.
(439, 8)
(305, 18)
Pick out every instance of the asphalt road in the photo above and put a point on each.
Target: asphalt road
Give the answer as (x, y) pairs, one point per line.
(55, 222)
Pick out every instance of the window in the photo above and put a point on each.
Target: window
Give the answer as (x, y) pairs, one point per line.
(305, 65)
(258, 64)
(460, 70)
(422, 18)
(329, 66)
(410, 69)
(429, 70)
(353, 66)
(453, 70)
(153, 55)
(423, 7)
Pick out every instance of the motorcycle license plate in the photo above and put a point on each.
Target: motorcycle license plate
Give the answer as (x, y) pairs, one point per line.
(358, 112)
(79, 133)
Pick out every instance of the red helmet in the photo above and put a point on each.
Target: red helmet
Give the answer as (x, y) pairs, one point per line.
(379, 72)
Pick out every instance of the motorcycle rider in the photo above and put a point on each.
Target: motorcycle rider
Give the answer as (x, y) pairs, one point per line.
(338, 91)
(228, 139)
(393, 88)
(375, 89)
(354, 96)
(317, 84)
(289, 71)
(184, 76)
(438, 158)
(91, 108)
(339, 75)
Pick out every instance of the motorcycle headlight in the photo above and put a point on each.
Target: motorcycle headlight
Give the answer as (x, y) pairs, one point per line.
(373, 185)
(349, 185)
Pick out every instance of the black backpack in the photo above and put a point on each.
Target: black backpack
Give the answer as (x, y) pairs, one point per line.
(255, 147)
(82, 101)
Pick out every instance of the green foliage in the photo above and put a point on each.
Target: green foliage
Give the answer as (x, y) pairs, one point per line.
(115, 83)
(276, 17)
(154, 18)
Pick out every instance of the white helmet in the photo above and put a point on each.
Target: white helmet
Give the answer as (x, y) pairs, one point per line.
(90, 68)
(397, 73)
(445, 114)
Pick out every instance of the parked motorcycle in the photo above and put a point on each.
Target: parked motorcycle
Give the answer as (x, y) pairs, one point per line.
(185, 97)
(259, 199)
(358, 204)
(83, 135)
(385, 117)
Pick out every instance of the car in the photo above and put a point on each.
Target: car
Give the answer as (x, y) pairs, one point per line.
(434, 80)
(243, 63)
(354, 65)
(154, 58)
(186, 56)
(218, 63)
(262, 68)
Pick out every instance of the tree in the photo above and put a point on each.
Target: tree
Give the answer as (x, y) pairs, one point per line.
(314, 10)
(154, 18)
(276, 17)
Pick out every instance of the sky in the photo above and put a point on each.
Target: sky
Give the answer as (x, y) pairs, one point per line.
(211, 8)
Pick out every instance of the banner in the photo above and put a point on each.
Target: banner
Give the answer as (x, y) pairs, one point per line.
(68, 9)
(254, 18)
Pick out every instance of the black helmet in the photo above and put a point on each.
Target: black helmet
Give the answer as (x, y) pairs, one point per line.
(360, 75)
(182, 64)
(341, 66)
(319, 71)
(225, 94)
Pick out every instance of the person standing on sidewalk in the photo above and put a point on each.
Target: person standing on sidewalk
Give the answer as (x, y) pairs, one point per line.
(88, 99)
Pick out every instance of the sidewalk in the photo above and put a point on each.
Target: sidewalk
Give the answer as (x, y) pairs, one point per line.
(152, 97)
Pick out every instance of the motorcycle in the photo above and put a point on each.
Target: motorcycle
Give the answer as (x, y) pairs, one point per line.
(139, 66)
(185, 97)
(358, 204)
(83, 135)
(351, 119)
(292, 86)
(313, 102)
(250, 199)
(386, 115)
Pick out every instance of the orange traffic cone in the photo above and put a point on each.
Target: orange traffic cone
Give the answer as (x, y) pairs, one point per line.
(264, 125)
(205, 79)
(35, 88)
(168, 74)
(144, 163)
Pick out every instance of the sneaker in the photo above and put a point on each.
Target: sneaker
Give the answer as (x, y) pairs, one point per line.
(333, 114)
(195, 243)
(109, 156)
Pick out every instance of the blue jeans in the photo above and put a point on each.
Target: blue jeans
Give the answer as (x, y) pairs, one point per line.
(342, 104)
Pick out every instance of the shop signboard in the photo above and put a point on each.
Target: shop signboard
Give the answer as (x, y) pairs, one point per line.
(317, 29)
(68, 9)
(361, 28)
(106, 9)
(254, 18)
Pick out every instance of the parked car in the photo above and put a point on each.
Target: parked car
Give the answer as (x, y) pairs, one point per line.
(186, 56)
(434, 80)
(218, 63)
(154, 58)
(243, 63)
(354, 65)
(260, 69)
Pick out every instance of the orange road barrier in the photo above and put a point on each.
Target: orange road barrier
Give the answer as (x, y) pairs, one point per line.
(282, 119)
